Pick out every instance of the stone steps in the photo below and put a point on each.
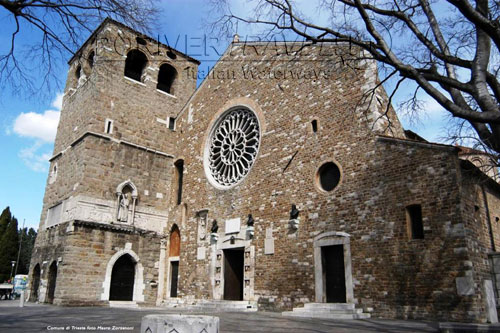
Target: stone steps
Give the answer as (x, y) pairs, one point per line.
(327, 311)
(123, 304)
(330, 306)
(211, 305)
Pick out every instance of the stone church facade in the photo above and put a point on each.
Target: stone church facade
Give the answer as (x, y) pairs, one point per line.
(284, 180)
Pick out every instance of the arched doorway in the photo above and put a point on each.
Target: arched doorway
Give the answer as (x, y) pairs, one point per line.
(122, 279)
(173, 254)
(35, 285)
(52, 282)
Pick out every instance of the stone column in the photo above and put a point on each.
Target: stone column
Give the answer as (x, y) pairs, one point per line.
(161, 272)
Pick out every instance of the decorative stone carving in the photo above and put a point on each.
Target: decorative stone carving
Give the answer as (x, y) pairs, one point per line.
(123, 207)
(294, 212)
(179, 323)
(232, 147)
(214, 236)
(294, 217)
(215, 227)
(126, 193)
(202, 225)
(250, 228)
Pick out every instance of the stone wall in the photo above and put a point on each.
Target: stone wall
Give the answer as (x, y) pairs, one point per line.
(315, 106)
(83, 252)
(480, 207)
(94, 168)
(393, 276)
(100, 95)
(91, 160)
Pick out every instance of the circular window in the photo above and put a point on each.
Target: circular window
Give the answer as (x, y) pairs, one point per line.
(328, 176)
(232, 147)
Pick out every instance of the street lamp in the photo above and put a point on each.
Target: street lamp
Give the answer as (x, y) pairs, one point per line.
(11, 270)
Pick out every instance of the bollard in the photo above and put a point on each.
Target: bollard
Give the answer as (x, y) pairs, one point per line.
(179, 323)
(21, 300)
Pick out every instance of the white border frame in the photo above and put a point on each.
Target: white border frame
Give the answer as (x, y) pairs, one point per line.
(328, 239)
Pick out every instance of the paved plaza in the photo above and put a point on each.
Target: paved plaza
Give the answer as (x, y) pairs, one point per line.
(44, 318)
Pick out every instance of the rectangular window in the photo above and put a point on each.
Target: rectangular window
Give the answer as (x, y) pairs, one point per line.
(179, 171)
(171, 123)
(414, 222)
(108, 126)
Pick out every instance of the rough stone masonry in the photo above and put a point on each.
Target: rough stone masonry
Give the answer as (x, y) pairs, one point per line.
(284, 179)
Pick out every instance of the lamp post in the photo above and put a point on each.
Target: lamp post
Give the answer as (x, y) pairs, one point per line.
(12, 270)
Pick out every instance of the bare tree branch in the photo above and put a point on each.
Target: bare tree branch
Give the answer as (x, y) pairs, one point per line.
(453, 58)
(61, 27)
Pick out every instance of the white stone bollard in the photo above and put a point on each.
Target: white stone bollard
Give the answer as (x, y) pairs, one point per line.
(179, 323)
(21, 300)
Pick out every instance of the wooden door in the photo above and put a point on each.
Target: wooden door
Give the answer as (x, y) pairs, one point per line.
(334, 273)
(233, 274)
(122, 279)
(175, 242)
(174, 278)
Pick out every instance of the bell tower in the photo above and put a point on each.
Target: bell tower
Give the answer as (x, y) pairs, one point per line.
(113, 154)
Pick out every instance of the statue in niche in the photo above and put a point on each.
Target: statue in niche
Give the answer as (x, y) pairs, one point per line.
(123, 208)
(215, 227)
(202, 228)
(250, 220)
(294, 212)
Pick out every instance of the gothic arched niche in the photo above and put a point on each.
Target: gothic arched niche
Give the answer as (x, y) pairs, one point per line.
(36, 283)
(175, 242)
(126, 194)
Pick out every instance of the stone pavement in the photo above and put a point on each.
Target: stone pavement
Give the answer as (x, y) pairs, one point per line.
(45, 318)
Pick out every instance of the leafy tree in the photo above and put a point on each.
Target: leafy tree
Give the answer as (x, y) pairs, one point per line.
(9, 244)
(58, 28)
(449, 49)
(28, 241)
(5, 218)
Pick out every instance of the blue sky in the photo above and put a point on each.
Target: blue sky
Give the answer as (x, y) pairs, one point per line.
(28, 124)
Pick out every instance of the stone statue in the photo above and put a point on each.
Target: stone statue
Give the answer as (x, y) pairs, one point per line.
(250, 220)
(294, 213)
(215, 227)
(123, 209)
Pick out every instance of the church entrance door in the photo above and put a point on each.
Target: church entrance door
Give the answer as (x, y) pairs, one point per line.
(334, 273)
(233, 274)
(174, 278)
(122, 279)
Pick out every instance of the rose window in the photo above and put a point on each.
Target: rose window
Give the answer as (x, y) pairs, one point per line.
(233, 147)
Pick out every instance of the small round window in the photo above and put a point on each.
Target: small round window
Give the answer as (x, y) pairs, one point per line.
(328, 176)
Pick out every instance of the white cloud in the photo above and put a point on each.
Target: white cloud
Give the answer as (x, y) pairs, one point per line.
(57, 102)
(40, 126)
(36, 161)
